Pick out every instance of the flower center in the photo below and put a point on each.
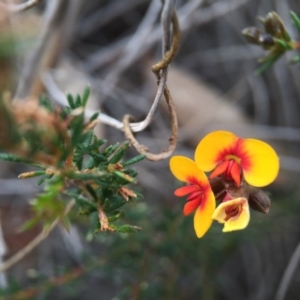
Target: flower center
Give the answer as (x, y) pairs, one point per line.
(233, 211)
(233, 157)
(230, 168)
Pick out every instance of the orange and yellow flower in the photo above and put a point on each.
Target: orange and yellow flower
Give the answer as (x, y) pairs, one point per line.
(227, 155)
(200, 196)
(235, 164)
(233, 213)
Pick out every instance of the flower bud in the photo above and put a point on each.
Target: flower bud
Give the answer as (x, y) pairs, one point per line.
(252, 35)
(275, 27)
(266, 41)
(259, 200)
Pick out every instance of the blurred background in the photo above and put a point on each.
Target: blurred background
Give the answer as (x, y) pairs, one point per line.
(59, 47)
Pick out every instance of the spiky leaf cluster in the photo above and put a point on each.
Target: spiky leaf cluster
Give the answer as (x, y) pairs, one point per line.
(71, 162)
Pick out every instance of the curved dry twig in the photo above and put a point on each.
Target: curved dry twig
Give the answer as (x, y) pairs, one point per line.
(172, 141)
(161, 65)
(169, 55)
(160, 69)
(35, 242)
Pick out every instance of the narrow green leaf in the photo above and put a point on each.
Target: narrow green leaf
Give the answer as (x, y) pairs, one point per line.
(110, 204)
(138, 195)
(283, 44)
(131, 172)
(91, 191)
(296, 20)
(85, 206)
(87, 176)
(71, 101)
(119, 153)
(78, 101)
(124, 176)
(99, 158)
(85, 96)
(78, 163)
(31, 174)
(295, 59)
(287, 36)
(94, 221)
(43, 179)
(267, 64)
(45, 102)
(13, 158)
(117, 216)
(87, 138)
(29, 224)
(91, 164)
(77, 127)
(110, 149)
(18, 159)
(134, 160)
(94, 116)
(126, 228)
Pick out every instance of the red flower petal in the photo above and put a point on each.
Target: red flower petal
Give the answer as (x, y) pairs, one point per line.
(183, 191)
(220, 169)
(235, 173)
(194, 196)
(190, 206)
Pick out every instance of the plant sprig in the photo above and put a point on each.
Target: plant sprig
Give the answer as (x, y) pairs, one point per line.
(70, 162)
(274, 39)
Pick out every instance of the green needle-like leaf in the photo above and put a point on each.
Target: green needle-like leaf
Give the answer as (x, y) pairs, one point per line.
(85, 96)
(94, 116)
(110, 149)
(284, 45)
(119, 153)
(126, 228)
(268, 63)
(71, 101)
(296, 20)
(295, 59)
(134, 160)
(17, 159)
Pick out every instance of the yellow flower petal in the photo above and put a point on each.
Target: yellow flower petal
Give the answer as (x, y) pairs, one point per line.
(209, 151)
(184, 168)
(234, 223)
(219, 213)
(263, 165)
(203, 214)
(238, 222)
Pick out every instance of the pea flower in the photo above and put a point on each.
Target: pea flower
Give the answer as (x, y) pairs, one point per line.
(234, 158)
(233, 213)
(200, 196)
